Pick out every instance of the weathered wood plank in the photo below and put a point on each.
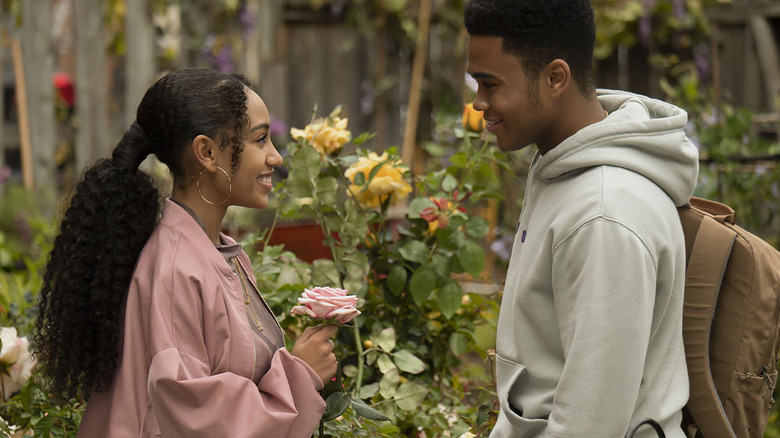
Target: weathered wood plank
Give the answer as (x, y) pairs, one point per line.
(139, 55)
(92, 133)
(766, 49)
(39, 72)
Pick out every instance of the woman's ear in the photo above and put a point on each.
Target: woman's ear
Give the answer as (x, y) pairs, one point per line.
(205, 151)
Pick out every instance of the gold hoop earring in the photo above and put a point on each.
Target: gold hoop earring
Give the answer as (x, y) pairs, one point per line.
(230, 188)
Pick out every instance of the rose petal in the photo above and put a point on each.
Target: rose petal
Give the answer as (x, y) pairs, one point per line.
(320, 307)
(303, 310)
(344, 314)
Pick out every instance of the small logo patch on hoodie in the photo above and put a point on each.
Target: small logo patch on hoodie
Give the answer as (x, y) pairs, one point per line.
(522, 237)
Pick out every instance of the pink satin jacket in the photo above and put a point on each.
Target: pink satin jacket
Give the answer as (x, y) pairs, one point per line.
(188, 355)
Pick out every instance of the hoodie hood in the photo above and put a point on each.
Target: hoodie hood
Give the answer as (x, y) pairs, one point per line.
(640, 134)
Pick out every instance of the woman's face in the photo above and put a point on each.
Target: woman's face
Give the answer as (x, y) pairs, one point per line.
(251, 180)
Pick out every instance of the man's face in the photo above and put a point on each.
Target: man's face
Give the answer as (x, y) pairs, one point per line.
(508, 98)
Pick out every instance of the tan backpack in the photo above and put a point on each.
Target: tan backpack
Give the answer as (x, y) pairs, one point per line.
(730, 324)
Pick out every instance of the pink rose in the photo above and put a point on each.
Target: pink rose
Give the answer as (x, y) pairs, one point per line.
(327, 303)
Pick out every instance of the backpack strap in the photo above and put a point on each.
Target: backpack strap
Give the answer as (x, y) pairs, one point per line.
(707, 264)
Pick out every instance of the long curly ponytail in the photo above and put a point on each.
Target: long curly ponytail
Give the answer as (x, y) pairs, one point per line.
(110, 217)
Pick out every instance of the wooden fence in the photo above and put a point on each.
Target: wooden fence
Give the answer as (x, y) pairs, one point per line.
(303, 58)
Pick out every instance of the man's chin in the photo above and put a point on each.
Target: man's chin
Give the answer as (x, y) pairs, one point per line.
(507, 145)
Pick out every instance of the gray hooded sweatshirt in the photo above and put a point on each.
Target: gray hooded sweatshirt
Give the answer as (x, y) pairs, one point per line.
(590, 329)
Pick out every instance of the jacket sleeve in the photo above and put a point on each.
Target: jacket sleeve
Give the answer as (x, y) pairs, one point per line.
(604, 279)
(189, 401)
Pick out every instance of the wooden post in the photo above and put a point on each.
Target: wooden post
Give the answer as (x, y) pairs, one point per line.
(92, 135)
(24, 121)
(139, 59)
(38, 56)
(2, 94)
(415, 87)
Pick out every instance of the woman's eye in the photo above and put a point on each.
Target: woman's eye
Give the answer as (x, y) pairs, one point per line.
(262, 139)
(487, 86)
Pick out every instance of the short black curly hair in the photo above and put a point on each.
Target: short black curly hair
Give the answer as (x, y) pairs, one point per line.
(539, 31)
(110, 217)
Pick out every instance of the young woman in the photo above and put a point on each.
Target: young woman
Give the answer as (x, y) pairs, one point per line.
(158, 323)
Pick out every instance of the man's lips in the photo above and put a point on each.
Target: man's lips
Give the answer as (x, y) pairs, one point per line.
(492, 124)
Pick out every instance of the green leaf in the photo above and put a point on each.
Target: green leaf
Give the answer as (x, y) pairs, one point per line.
(449, 184)
(414, 251)
(335, 405)
(386, 339)
(327, 190)
(368, 391)
(422, 283)
(408, 362)
(360, 179)
(409, 395)
(459, 159)
(362, 138)
(451, 238)
(417, 205)
(325, 273)
(477, 227)
(330, 388)
(349, 370)
(441, 263)
(385, 364)
(366, 411)
(396, 279)
(389, 383)
(375, 170)
(449, 298)
(458, 343)
(336, 112)
(472, 258)
(371, 357)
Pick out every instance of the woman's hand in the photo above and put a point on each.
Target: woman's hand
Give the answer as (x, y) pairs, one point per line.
(316, 349)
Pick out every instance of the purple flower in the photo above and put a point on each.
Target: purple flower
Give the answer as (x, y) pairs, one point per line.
(701, 59)
(646, 22)
(223, 62)
(278, 127)
(645, 30)
(248, 21)
(5, 173)
(679, 9)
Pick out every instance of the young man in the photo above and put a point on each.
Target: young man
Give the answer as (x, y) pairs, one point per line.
(590, 331)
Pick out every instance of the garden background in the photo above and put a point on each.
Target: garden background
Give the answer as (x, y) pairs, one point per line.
(429, 269)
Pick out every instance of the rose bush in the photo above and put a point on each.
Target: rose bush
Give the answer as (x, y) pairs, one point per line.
(404, 355)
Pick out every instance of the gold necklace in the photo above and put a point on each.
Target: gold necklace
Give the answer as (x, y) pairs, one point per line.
(247, 300)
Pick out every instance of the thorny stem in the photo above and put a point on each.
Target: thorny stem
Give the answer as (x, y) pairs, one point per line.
(359, 348)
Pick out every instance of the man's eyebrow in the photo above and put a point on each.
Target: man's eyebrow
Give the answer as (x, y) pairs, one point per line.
(482, 75)
(259, 127)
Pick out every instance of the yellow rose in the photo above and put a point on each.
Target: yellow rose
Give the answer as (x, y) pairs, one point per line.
(388, 180)
(472, 119)
(325, 135)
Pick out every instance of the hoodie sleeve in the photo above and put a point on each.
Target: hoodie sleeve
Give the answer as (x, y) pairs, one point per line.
(604, 281)
(189, 401)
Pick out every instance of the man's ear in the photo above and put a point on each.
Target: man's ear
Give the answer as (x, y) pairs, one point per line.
(205, 151)
(558, 77)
